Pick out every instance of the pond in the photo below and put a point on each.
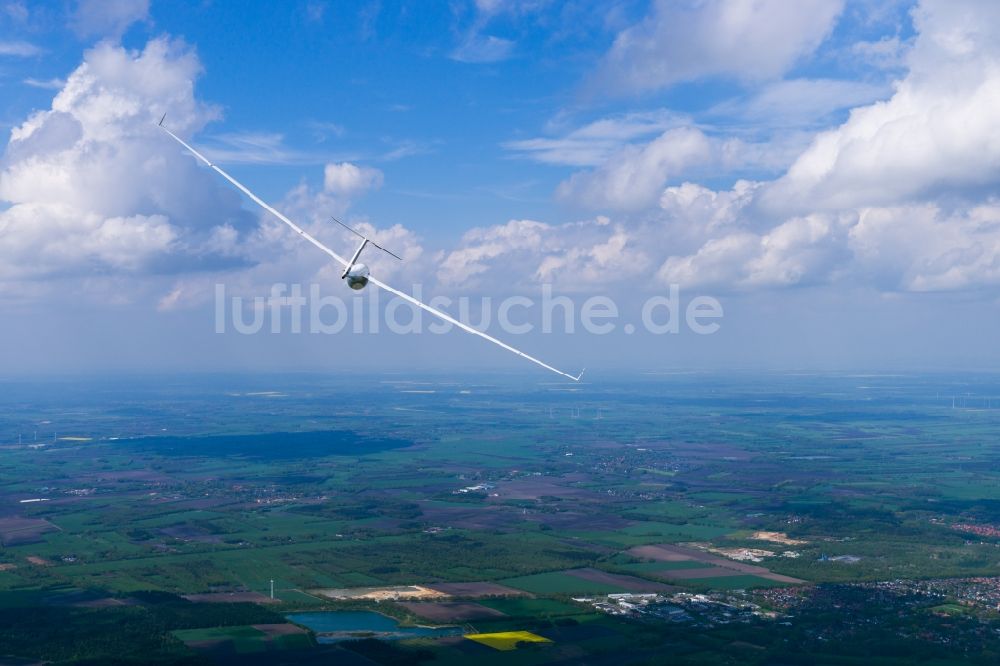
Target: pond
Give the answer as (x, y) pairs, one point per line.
(334, 626)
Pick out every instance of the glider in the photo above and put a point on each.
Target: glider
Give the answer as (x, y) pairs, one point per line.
(357, 274)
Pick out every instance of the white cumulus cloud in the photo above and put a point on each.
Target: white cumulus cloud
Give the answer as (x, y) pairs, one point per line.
(350, 180)
(750, 40)
(633, 177)
(92, 186)
(900, 197)
(938, 132)
(524, 253)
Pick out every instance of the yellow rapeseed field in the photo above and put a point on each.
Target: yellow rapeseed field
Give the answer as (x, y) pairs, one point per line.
(507, 640)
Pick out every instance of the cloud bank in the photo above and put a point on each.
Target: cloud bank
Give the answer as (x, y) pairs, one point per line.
(898, 197)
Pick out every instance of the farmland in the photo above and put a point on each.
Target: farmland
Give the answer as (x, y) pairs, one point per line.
(501, 499)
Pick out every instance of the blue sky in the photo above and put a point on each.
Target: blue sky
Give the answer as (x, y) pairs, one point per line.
(825, 169)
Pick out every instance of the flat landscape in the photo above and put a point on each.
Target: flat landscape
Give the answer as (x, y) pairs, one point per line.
(709, 508)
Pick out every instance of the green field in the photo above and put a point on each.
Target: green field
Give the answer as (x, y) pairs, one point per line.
(242, 640)
(653, 532)
(559, 583)
(518, 607)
